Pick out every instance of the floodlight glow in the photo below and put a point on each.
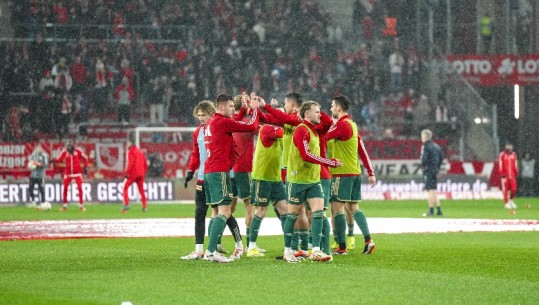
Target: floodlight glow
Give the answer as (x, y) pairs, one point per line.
(517, 102)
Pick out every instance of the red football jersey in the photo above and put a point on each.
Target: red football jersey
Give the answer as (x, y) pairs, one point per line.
(507, 162)
(219, 141)
(244, 149)
(72, 161)
(137, 166)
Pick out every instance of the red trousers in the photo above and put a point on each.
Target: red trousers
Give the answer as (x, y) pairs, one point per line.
(78, 180)
(140, 184)
(509, 185)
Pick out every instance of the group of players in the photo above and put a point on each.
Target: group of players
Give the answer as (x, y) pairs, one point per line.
(303, 162)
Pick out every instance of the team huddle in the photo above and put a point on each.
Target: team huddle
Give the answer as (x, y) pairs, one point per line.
(304, 161)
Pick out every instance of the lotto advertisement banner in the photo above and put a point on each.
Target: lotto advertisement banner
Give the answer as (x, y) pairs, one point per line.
(497, 70)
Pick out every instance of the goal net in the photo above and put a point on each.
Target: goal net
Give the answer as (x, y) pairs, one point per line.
(169, 147)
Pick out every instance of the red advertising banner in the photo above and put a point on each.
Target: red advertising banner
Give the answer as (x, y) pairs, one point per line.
(398, 149)
(107, 162)
(391, 158)
(175, 156)
(14, 157)
(497, 70)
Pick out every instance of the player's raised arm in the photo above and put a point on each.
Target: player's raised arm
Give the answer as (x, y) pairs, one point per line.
(285, 118)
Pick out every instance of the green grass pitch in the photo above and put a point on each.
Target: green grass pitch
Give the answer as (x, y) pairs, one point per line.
(442, 268)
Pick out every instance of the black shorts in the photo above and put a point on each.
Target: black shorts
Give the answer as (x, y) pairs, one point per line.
(431, 181)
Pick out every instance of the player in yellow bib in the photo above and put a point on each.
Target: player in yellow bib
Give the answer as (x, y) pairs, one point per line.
(303, 177)
(266, 185)
(346, 180)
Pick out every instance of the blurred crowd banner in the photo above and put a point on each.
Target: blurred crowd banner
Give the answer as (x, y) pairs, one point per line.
(497, 70)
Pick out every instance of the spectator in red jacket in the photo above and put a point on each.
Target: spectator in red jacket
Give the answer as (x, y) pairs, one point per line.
(124, 95)
(135, 172)
(79, 75)
(73, 157)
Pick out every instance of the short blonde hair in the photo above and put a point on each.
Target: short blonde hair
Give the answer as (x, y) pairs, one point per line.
(427, 134)
(306, 106)
(237, 102)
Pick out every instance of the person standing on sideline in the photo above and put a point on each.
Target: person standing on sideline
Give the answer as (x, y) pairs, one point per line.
(431, 161)
(73, 156)
(346, 180)
(136, 169)
(303, 177)
(219, 143)
(508, 168)
(528, 176)
(37, 163)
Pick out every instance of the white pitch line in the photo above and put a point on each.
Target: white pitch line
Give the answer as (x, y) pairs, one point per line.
(184, 227)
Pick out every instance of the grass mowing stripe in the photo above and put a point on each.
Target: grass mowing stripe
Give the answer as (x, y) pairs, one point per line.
(486, 209)
(469, 268)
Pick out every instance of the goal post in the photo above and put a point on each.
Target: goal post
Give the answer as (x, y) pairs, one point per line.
(168, 147)
(139, 130)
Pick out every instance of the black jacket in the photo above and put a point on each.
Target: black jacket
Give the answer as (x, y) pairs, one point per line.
(431, 157)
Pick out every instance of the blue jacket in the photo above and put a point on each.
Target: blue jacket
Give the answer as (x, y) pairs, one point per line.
(431, 157)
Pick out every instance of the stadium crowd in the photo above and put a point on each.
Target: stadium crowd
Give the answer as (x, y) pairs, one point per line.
(101, 56)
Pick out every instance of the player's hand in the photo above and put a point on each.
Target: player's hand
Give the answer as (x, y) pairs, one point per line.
(244, 100)
(274, 103)
(337, 163)
(254, 101)
(261, 102)
(188, 178)
(372, 181)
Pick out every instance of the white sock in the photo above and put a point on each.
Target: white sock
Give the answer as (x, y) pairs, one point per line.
(287, 250)
(252, 245)
(239, 245)
(316, 249)
(199, 248)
